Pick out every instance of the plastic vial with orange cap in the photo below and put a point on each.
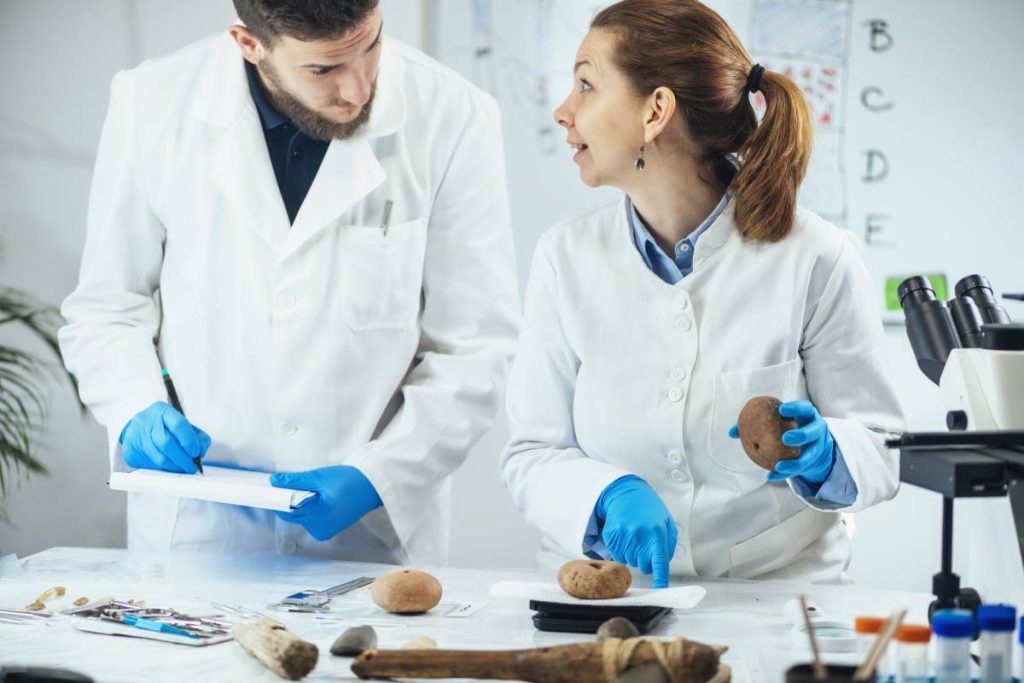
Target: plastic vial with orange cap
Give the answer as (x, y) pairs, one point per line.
(867, 629)
(912, 653)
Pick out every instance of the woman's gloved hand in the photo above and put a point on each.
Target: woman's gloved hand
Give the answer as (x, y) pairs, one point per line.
(344, 495)
(638, 529)
(812, 436)
(161, 438)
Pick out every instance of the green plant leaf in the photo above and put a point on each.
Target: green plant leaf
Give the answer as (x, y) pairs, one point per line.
(43, 320)
(23, 400)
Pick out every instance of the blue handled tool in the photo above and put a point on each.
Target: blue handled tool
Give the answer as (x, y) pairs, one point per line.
(150, 625)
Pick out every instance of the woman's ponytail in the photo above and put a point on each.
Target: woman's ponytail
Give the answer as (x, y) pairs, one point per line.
(773, 161)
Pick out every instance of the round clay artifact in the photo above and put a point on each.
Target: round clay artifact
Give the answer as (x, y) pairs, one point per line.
(761, 429)
(594, 579)
(406, 591)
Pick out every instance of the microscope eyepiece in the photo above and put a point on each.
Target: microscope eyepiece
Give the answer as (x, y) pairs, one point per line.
(930, 326)
(967, 320)
(978, 288)
(918, 289)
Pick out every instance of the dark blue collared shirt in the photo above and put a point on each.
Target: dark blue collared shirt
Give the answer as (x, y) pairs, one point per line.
(294, 155)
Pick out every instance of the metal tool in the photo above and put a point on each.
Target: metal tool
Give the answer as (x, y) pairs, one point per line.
(315, 598)
(156, 619)
(161, 627)
(20, 616)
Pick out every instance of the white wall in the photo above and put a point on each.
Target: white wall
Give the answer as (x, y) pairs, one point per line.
(59, 59)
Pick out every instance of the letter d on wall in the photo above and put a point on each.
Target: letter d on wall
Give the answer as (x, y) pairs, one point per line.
(877, 167)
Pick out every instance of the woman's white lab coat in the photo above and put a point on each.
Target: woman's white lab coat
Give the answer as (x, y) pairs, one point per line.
(618, 372)
(298, 346)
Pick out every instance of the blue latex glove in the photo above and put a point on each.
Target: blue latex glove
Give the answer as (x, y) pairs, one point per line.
(160, 438)
(638, 529)
(344, 495)
(812, 436)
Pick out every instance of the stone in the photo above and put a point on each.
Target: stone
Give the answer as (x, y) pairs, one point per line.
(421, 643)
(354, 640)
(618, 627)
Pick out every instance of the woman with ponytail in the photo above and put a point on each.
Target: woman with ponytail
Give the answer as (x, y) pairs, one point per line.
(651, 321)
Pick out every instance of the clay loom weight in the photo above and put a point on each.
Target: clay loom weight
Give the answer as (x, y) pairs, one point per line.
(761, 429)
(601, 662)
(277, 648)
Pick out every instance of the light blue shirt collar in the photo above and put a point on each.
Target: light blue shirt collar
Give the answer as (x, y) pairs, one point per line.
(671, 270)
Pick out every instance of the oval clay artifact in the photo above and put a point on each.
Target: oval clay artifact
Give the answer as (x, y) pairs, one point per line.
(761, 429)
(594, 579)
(406, 591)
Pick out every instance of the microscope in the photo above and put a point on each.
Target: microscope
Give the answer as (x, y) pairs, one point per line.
(975, 354)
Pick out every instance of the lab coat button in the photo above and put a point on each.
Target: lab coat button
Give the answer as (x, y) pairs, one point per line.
(286, 301)
(678, 374)
(674, 457)
(683, 324)
(288, 547)
(287, 428)
(682, 302)
(675, 394)
(678, 475)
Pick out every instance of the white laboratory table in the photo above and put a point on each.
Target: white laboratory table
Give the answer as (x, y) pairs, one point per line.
(744, 615)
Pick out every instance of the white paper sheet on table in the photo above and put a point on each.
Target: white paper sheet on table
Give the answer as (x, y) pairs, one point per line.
(681, 597)
(217, 484)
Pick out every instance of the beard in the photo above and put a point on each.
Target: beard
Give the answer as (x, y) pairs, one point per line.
(308, 120)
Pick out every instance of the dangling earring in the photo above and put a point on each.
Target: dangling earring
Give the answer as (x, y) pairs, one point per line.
(639, 163)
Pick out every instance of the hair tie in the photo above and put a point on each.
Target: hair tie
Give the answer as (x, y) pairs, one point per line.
(754, 78)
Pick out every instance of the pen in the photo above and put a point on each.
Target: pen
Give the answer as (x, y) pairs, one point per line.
(385, 222)
(176, 404)
(1015, 297)
(150, 625)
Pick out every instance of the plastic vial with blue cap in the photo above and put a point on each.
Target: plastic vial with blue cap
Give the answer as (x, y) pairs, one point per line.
(996, 623)
(953, 629)
(1020, 636)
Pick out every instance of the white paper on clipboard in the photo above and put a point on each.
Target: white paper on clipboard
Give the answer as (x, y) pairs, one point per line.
(217, 484)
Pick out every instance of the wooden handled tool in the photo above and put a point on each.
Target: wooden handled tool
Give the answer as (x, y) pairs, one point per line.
(277, 648)
(578, 663)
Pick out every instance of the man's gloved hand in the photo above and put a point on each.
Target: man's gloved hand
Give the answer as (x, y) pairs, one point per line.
(160, 438)
(812, 436)
(344, 495)
(638, 529)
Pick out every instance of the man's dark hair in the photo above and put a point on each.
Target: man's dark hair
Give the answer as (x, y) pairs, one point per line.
(302, 19)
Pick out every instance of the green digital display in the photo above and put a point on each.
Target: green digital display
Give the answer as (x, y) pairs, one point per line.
(892, 299)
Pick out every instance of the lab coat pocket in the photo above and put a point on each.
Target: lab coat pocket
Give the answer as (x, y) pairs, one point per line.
(732, 390)
(381, 276)
(780, 545)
